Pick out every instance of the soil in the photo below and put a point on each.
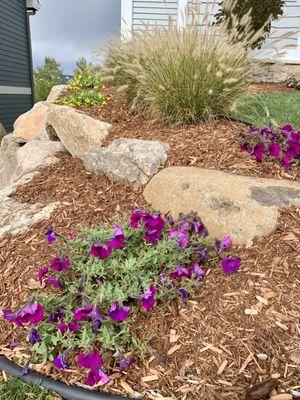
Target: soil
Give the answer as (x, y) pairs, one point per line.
(207, 348)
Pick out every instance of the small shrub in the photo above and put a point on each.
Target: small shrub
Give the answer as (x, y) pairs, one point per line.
(45, 77)
(86, 76)
(88, 98)
(281, 144)
(106, 279)
(262, 14)
(182, 76)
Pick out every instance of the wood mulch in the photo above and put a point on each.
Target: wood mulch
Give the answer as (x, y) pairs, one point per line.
(206, 349)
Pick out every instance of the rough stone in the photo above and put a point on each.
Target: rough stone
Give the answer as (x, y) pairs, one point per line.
(129, 160)
(76, 130)
(18, 161)
(16, 217)
(32, 125)
(56, 92)
(2, 132)
(245, 208)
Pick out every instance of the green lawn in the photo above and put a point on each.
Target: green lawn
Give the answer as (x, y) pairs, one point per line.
(278, 108)
(14, 389)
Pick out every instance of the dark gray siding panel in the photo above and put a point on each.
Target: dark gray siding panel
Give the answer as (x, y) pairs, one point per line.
(11, 106)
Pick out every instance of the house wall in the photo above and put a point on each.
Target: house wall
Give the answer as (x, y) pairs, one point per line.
(15, 62)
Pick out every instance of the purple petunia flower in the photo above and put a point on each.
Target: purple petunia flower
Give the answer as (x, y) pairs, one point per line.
(147, 299)
(153, 236)
(61, 362)
(154, 222)
(72, 327)
(51, 236)
(42, 272)
(273, 150)
(90, 360)
(286, 162)
(59, 314)
(54, 282)
(179, 272)
(96, 318)
(230, 265)
(118, 240)
(34, 336)
(180, 236)
(183, 294)
(124, 362)
(82, 313)
(286, 130)
(136, 217)
(118, 312)
(100, 251)
(258, 151)
(95, 376)
(224, 244)
(59, 264)
(31, 314)
(245, 147)
(196, 271)
(199, 228)
(10, 316)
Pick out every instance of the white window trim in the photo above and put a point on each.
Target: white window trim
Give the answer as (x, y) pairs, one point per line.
(15, 90)
(126, 18)
(182, 13)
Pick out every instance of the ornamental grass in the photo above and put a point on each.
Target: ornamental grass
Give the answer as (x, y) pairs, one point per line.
(105, 281)
(193, 74)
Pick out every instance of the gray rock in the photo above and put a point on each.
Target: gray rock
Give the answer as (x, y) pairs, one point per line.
(128, 160)
(17, 161)
(2, 132)
(77, 131)
(56, 92)
(243, 207)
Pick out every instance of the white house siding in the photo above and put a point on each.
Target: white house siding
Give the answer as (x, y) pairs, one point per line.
(153, 13)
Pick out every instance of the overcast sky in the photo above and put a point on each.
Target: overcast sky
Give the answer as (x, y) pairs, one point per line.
(69, 29)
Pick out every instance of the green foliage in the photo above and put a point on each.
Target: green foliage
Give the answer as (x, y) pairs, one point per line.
(86, 76)
(292, 82)
(45, 77)
(276, 108)
(15, 389)
(182, 76)
(262, 14)
(88, 98)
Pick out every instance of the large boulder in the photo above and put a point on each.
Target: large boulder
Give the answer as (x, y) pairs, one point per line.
(129, 160)
(76, 130)
(56, 92)
(243, 207)
(2, 132)
(18, 161)
(32, 124)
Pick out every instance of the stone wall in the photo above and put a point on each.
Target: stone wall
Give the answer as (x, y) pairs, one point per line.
(274, 72)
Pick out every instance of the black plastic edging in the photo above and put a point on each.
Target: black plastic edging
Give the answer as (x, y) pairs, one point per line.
(65, 391)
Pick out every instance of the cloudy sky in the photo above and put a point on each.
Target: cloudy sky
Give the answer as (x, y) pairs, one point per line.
(69, 29)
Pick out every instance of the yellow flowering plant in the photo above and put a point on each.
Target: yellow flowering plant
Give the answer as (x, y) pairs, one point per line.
(88, 98)
(86, 78)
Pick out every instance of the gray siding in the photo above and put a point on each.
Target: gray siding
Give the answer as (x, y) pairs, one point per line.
(15, 62)
(153, 13)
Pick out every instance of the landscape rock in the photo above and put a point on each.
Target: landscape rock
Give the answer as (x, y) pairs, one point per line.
(2, 132)
(243, 207)
(8, 149)
(56, 92)
(32, 125)
(128, 160)
(16, 217)
(77, 131)
(34, 156)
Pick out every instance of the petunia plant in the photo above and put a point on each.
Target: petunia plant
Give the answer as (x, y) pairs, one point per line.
(105, 279)
(282, 144)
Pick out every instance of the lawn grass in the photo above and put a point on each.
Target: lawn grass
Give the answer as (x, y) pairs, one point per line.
(276, 108)
(15, 389)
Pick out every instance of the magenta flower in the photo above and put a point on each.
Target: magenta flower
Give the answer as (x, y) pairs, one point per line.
(245, 147)
(286, 162)
(61, 362)
(10, 316)
(199, 228)
(54, 282)
(118, 240)
(153, 236)
(230, 265)
(72, 327)
(225, 243)
(136, 217)
(196, 271)
(59, 314)
(51, 236)
(59, 264)
(34, 336)
(118, 312)
(31, 314)
(180, 236)
(154, 222)
(147, 299)
(42, 272)
(273, 150)
(82, 313)
(258, 151)
(124, 362)
(179, 272)
(100, 251)
(95, 376)
(90, 360)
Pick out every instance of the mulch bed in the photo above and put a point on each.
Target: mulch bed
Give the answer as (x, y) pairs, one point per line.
(207, 348)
